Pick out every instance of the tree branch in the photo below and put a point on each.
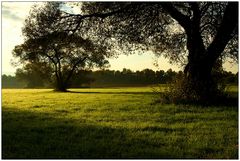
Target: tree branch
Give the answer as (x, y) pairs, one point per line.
(225, 31)
(97, 15)
(73, 68)
(182, 19)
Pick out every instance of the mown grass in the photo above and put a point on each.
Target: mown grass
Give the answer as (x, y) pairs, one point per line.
(112, 123)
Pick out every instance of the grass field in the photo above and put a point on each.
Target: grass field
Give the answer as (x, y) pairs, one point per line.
(113, 123)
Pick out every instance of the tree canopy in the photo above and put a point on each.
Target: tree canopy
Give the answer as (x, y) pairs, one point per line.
(198, 35)
(163, 27)
(46, 42)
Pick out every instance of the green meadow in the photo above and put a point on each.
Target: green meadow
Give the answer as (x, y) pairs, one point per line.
(113, 123)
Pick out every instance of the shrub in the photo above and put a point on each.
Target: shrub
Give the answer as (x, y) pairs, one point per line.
(181, 91)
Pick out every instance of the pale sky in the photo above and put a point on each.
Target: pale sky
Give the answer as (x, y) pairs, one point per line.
(13, 16)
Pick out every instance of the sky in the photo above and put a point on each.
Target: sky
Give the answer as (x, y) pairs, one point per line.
(13, 16)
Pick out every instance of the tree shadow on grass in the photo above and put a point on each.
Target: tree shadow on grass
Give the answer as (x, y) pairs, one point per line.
(148, 93)
(27, 135)
(33, 135)
(101, 92)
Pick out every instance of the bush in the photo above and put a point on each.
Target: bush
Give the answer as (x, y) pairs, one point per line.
(182, 91)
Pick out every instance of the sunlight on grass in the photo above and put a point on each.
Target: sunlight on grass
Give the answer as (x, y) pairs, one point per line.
(113, 123)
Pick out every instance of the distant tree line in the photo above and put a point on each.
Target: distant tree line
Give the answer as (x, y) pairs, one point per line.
(9, 81)
(126, 77)
(104, 78)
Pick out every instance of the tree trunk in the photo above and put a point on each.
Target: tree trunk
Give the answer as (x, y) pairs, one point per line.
(60, 85)
(199, 84)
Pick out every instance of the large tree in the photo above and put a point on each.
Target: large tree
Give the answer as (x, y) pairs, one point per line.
(46, 42)
(199, 35)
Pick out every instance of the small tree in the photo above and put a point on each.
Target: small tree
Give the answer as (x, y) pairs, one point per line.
(47, 41)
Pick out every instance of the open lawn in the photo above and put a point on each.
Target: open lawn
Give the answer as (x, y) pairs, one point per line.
(113, 123)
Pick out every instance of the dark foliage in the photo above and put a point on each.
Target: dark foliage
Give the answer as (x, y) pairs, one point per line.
(180, 92)
(47, 44)
(195, 34)
(35, 75)
(9, 81)
(28, 78)
(198, 35)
